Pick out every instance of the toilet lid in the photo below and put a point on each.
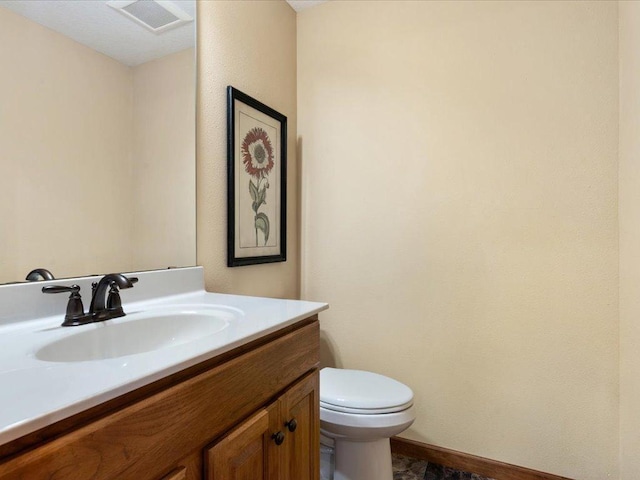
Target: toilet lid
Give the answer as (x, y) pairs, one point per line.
(357, 391)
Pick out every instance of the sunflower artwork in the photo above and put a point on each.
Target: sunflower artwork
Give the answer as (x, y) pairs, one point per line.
(257, 156)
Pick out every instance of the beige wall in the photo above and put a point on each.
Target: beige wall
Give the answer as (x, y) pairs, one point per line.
(460, 216)
(164, 92)
(63, 151)
(251, 46)
(629, 208)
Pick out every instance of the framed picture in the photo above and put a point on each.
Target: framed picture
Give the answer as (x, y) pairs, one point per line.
(257, 182)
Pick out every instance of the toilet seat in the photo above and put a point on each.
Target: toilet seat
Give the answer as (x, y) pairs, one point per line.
(362, 393)
(365, 411)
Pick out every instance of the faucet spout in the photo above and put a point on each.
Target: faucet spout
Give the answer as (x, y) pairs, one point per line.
(39, 274)
(99, 309)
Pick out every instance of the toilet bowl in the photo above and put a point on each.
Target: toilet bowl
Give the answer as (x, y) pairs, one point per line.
(359, 412)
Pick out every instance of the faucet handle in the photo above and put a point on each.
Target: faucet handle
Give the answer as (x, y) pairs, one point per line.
(61, 289)
(114, 302)
(75, 310)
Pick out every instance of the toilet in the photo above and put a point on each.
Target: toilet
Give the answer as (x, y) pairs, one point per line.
(359, 412)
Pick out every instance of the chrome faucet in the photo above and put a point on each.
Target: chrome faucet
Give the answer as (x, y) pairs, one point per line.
(102, 307)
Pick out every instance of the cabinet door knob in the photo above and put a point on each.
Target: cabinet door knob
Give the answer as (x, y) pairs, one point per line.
(291, 425)
(278, 438)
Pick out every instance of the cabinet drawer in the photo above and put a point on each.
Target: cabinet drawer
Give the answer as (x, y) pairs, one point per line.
(147, 438)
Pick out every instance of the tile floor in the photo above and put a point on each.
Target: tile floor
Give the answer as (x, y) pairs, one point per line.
(405, 468)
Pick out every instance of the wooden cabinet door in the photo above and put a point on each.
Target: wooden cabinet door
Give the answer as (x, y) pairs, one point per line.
(280, 442)
(179, 473)
(189, 468)
(299, 413)
(244, 453)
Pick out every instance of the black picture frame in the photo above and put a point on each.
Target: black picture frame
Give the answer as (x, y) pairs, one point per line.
(257, 152)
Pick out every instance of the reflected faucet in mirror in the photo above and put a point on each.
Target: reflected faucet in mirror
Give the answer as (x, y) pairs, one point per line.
(103, 306)
(39, 274)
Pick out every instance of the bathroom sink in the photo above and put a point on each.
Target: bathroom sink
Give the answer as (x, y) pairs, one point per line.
(137, 333)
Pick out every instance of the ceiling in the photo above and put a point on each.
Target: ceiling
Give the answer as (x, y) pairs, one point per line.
(299, 5)
(96, 25)
(93, 23)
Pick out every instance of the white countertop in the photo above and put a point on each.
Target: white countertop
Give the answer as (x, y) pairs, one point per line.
(36, 393)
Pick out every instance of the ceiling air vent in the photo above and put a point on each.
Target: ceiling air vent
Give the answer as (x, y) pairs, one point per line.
(155, 15)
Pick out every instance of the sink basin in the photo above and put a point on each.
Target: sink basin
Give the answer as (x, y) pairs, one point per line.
(137, 333)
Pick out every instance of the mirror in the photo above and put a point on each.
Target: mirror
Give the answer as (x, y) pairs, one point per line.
(97, 137)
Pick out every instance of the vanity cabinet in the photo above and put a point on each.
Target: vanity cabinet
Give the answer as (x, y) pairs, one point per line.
(216, 420)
